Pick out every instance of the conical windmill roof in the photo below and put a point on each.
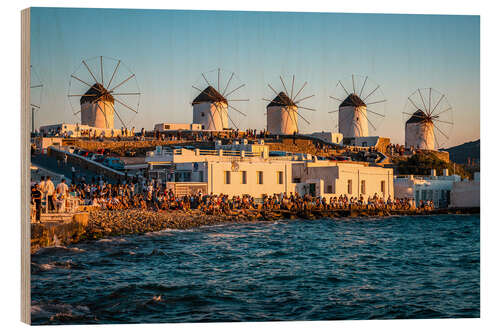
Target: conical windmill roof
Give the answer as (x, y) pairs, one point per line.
(352, 100)
(418, 116)
(281, 100)
(209, 95)
(96, 92)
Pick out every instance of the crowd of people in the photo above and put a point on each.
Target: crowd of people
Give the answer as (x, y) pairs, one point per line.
(150, 195)
(54, 197)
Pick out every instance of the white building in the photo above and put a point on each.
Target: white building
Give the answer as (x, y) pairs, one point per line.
(419, 132)
(255, 149)
(210, 110)
(466, 193)
(165, 127)
(354, 179)
(353, 119)
(330, 137)
(364, 141)
(242, 169)
(77, 130)
(282, 116)
(42, 143)
(230, 172)
(97, 108)
(433, 187)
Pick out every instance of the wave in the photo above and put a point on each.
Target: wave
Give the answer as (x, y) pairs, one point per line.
(68, 264)
(54, 250)
(166, 231)
(121, 253)
(58, 312)
(111, 240)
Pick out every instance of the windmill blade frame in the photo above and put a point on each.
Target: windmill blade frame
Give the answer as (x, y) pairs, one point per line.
(434, 111)
(224, 84)
(90, 83)
(358, 91)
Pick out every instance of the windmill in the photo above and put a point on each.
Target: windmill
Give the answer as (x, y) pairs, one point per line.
(283, 109)
(212, 104)
(36, 87)
(428, 119)
(361, 108)
(102, 88)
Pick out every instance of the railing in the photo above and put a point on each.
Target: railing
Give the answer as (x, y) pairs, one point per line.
(209, 152)
(87, 160)
(187, 188)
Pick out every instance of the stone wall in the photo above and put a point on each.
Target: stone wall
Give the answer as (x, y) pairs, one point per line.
(120, 148)
(57, 233)
(304, 146)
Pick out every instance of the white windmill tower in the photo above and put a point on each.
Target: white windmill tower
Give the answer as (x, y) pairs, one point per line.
(211, 106)
(283, 109)
(361, 108)
(425, 109)
(102, 88)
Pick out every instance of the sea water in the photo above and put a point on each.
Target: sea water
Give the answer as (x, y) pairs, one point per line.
(352, 268)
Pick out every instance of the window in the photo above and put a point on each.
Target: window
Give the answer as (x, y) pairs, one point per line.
(382, 186)
(227, 177)
(329, 189)
(203, 114)
(280, 177)
(296, 180)
(260, 177)
(363, 187)
(243, 177)
(349, 186)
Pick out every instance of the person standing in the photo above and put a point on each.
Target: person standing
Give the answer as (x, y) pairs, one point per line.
(36, 198)
(48, 189)
(62, 192)
(41, 188)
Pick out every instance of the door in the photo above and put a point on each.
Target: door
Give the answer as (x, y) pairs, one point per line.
(312, 189)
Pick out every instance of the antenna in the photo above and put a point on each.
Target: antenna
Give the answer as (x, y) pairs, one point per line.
(36, 87)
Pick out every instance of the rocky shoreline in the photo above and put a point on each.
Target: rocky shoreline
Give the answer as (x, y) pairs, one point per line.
(109, 223)
(125, 222)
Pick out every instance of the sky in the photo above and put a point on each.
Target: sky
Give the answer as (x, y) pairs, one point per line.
(168, 50)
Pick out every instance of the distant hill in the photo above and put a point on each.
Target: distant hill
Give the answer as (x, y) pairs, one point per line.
(460, 154)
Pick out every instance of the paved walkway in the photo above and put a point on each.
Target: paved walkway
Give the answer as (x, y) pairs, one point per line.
(50, 163)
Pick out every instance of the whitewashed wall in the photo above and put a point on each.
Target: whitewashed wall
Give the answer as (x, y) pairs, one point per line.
(420, 135)
(270, 186)
(92, 115)
(353, 121)
(337, 176)
(282, 120)
(212, 116)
